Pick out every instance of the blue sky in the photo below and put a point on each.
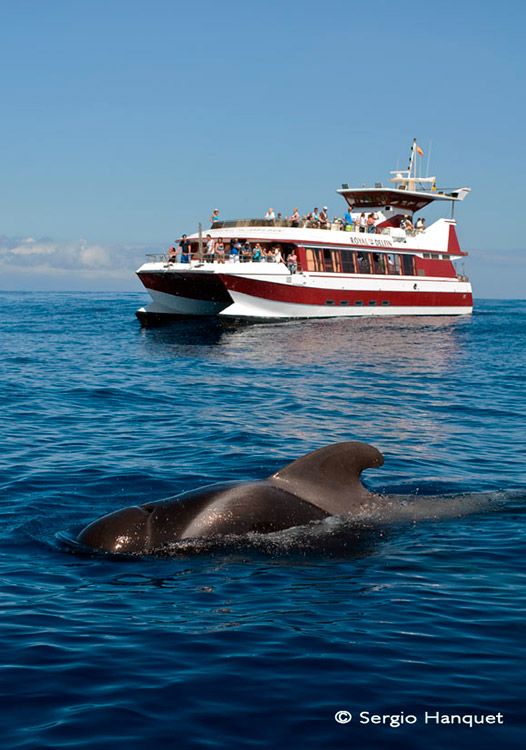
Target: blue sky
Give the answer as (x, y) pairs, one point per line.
(125, 122)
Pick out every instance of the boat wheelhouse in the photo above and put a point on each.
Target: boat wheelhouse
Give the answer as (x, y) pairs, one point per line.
(389, 266)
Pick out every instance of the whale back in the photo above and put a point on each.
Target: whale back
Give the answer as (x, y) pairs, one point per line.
(330, 477)
(325, 482)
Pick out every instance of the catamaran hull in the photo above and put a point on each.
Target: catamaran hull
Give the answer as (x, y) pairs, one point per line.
(182, 294)
(309, 298)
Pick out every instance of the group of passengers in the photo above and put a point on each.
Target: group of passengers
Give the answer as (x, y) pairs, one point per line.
(319, 219)
(407, 225)
(365, 223)
(240, 251)
(233, 251)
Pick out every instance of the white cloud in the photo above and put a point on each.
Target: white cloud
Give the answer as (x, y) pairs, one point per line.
(95, 256)
(31, 247)
(29, 263)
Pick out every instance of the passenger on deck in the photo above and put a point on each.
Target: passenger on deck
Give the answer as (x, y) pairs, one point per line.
(186, 255)
(371, 229)
(362, 223)
(314, 218)
(220, 251)
(235, 249)
(348, 220)
(210, 249)
(292, 262)
(172, 255)
(267, 255)
(324, 218)
(256, 254)
(215, 216)
(420, 225)
(246, 252)
(276, 254)
(295, 218)
(407, 225)
(270, 215)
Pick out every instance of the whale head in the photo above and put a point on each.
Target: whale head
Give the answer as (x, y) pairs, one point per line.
(125, 531)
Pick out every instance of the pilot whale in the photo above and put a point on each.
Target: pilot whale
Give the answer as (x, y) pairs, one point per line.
(323, 483)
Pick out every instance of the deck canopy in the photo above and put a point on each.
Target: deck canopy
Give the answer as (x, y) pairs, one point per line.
(397, 198)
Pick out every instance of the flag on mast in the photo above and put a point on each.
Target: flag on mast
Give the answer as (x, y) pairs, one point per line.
(419, 151)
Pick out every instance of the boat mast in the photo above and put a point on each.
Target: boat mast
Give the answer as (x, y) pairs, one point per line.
(411, 166)
(200, 240)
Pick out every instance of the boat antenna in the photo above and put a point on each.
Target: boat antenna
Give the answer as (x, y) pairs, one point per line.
(411, 159)
(428, 158)
(200, 240)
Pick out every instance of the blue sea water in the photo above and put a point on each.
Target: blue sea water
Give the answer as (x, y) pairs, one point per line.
(259, 644)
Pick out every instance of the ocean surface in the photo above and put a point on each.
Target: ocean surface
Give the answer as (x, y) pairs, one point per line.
(259, 643)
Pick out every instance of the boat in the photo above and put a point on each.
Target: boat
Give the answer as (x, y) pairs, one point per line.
(379, 260)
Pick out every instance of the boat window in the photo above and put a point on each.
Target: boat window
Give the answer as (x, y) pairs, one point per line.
(313, 260)
(363, 263)
(385, 302)
(378, 262)
(348, 261)
(329, 302)
(327, 260)
(337, 261)
(408, 265)
(344, 302)
(372, 302)
(358, 302)
(392, 263)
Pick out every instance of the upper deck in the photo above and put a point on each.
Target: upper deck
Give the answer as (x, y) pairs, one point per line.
(438, 237)
(411, 192)
(401, 199)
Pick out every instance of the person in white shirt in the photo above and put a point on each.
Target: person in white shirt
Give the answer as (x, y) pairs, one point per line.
(270, 214)
(210, 248)
(362, 222)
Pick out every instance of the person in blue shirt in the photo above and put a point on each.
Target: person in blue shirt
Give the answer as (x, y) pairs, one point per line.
(234, 251)
(349, 221)
(185, 249)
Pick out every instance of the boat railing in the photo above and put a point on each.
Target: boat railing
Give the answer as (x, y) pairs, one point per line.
(156, 257)
(301, 224)
(335, 226)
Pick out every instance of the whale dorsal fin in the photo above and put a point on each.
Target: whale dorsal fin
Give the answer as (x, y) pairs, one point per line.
(330, 477)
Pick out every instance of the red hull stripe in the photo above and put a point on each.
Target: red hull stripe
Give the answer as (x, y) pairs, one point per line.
(300, 295)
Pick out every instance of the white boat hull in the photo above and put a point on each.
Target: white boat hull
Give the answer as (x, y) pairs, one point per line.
(320, 296)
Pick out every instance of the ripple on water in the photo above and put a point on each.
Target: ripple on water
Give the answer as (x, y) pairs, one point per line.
(257, 643)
